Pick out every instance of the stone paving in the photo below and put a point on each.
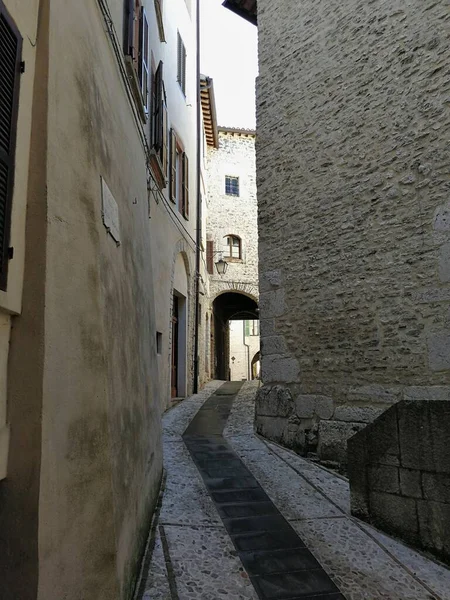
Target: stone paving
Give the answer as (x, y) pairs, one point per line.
(191, 555)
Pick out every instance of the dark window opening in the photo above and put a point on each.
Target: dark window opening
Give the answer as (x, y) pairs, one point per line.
(159, 342)
(231, 185)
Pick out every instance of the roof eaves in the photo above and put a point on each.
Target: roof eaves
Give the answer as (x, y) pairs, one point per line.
(247, 9)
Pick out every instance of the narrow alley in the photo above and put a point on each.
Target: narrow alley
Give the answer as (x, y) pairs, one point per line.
(243, 518)
(224, 300)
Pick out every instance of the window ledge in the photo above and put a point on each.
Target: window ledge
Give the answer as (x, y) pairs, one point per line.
(233, 260)
(157, 170)
(136, 88)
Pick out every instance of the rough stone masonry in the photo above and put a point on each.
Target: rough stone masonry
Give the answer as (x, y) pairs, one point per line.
(353, 174)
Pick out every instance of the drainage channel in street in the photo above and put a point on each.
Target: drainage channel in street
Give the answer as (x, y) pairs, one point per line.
(276, 559)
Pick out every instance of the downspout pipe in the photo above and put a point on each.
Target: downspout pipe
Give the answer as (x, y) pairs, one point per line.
(249, 373)
(199, 211)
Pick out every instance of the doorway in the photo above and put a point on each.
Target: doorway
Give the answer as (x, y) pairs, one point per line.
(179, 340)
(175, 342)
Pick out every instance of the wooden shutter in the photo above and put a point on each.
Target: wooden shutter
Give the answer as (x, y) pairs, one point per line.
(164, 140)
(179, 44)
(10, 56)
(210, 257)
(158, 109)
(173, 166)
(128, 27)
(143, 56)
(185, 187)
(181, 63)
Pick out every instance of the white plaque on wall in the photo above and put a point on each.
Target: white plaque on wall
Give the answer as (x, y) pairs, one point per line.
(110, 212)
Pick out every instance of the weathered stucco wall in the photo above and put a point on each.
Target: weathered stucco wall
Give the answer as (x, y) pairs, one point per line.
(20, 400)
(85, 458)
(101, 416)
(352, 164)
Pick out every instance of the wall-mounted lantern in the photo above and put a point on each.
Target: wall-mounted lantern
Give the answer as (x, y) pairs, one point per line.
(221, 266)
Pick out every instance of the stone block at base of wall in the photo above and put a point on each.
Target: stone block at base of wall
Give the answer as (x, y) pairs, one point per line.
(399, 471)
(309, 422)
(333, 436)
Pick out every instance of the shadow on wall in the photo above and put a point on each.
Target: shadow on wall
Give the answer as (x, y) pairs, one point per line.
(399, 470)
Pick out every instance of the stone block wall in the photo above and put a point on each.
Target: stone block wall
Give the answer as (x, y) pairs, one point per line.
(399, 469)
(233, 215)
(354, 213)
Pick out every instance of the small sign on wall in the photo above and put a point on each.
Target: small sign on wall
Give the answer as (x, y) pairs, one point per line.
(110, 212)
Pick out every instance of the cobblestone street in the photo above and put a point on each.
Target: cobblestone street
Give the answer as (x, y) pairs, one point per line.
(214, 518)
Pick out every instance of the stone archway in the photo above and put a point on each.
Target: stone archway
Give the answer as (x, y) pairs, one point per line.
(228, 306)
(180, 324)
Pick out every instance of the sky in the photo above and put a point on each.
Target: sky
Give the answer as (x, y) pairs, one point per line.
(229, 56)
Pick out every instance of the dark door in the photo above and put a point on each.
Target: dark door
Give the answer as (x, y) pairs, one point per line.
(175, 348)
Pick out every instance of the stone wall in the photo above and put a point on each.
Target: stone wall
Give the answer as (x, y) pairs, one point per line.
(399, 469)
(354, 226)
(231, 215)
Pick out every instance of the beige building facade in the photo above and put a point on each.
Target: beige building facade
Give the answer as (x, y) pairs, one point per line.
(100, 160)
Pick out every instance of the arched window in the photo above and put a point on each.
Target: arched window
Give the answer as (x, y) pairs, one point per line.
(233, 246)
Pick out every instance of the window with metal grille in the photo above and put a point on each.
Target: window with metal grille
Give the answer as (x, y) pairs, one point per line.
(231, 185)
(10, 56)
(181, 64)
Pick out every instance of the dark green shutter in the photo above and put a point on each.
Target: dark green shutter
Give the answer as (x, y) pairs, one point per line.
(158, 109)
(185, 186)
(128, 27)
(10, 54)
(173, 167)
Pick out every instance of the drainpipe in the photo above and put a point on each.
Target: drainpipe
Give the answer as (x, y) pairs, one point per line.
(249, 374)
(199, 210)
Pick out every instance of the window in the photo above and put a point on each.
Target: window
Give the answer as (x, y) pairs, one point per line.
(231, 185)
(159, 126)
(10, 57)
(159, 122)
(158, 342)
(136, 48)
(181, 64)
(251, 328)
(233, 247)
(179, 175)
